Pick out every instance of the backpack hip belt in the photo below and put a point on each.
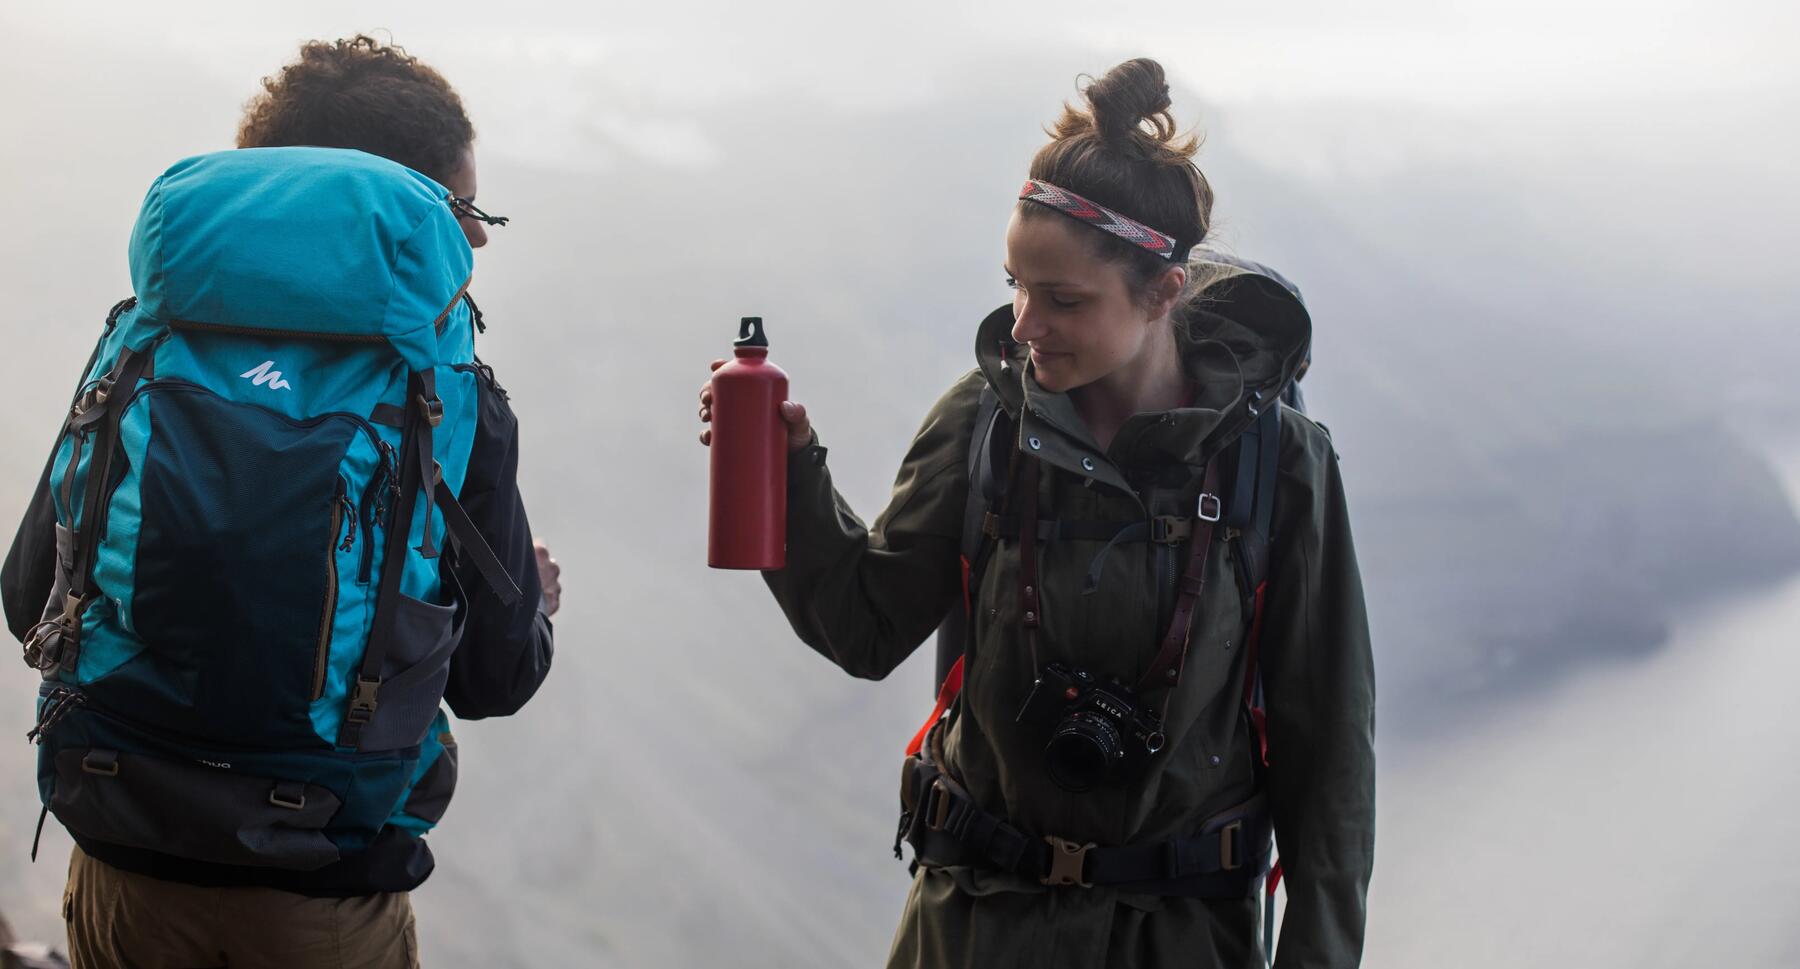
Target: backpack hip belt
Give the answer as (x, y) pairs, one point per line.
(946, 827)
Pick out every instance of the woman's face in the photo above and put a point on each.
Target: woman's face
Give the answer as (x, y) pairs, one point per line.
(1075, 310)
(461, 183)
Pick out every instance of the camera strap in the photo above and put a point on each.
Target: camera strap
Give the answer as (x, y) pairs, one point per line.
(1165, 668)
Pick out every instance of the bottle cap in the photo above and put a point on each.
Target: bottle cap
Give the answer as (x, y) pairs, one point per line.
(750, 333)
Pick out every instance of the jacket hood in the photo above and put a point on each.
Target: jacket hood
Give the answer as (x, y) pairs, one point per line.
(1243, 341)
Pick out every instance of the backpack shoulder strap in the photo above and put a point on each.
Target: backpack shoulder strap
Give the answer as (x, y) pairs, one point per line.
(1250, 511)
(987, 485)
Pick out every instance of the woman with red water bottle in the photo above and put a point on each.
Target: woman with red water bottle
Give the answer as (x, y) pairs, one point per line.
(1154, 651)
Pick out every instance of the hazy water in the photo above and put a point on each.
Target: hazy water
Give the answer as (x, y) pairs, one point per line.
(1638, 815)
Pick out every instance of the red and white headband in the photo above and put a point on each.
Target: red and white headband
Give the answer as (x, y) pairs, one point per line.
(1100, 217)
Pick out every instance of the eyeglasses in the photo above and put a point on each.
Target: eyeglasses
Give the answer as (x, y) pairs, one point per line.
(465, 208)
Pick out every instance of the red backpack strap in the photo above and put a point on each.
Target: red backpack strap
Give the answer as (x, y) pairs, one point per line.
(1253, 676)
(946, 695)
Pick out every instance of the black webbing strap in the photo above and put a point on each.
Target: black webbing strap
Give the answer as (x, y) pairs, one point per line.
(1268, 456)
(104, 407)
(467, 541)
(946, 827)
(130, 368)
(415, 440)
(431, 414)
(388, 415)
(1243, 460)
(1162, 529)
(984, 490)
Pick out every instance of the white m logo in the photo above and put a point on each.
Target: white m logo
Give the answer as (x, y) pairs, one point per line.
(262, 374)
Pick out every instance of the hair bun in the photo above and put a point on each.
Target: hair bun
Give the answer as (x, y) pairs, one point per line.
(1127, 96)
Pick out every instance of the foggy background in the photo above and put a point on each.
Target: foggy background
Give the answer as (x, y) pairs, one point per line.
(1546, 248)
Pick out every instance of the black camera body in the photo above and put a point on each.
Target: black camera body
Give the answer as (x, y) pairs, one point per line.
(1097, 730)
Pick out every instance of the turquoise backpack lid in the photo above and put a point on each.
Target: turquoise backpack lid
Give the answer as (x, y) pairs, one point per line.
(325, 241)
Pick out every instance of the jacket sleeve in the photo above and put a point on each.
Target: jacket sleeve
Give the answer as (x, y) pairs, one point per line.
(505, 650)
(1319, 693)
(865, 598)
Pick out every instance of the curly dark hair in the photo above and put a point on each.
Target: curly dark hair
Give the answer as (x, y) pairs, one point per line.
(360, 93)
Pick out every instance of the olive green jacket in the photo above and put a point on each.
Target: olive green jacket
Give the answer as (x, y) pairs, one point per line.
(865, 598)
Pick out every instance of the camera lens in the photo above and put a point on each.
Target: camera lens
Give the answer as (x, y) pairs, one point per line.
(1082, 750)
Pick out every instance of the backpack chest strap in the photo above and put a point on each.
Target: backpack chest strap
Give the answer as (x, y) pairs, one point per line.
(1160, 530)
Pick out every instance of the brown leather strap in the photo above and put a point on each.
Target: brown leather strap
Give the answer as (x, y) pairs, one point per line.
(1165, 669)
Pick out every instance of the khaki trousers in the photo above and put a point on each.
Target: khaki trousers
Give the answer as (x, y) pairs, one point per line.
(118, 919)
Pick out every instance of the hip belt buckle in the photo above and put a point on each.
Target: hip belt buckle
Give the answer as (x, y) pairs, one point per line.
(1068, 862)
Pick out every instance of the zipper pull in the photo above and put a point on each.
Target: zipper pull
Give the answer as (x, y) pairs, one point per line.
(349, 524)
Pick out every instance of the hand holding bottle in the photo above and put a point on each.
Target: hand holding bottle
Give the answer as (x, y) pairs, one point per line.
(793, 413)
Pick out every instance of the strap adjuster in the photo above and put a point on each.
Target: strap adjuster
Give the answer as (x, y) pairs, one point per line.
(1230, 836)
(937, 805)
(1068, 862)
(291, 801)
(431, 408)
(1211, 508)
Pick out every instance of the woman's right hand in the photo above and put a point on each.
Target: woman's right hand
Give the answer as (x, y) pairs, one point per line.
(793, 412)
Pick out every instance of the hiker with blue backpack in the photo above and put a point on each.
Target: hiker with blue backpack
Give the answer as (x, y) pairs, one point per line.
(1157, 654)
(279, 526)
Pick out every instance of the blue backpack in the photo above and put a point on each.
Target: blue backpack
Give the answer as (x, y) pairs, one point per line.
(251, 629)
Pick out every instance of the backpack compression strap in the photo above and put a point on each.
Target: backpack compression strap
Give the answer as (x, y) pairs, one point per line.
(56, 642)
(364, 697)
(419, 474)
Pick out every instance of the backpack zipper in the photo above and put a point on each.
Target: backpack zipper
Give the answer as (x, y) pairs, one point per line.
(322, 656)
(374, 508)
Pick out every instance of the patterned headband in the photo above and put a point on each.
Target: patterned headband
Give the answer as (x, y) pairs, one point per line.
(1100, 217)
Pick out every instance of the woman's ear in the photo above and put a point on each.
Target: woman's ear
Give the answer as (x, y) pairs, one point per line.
(1165, 290)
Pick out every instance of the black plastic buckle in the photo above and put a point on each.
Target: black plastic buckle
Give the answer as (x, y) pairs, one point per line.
(1068, 862)
(1170, 529)
(1230, 837)
(362, 702)
(431, 408)
(95, 396)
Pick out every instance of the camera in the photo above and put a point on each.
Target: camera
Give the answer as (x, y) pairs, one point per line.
(1097, 732)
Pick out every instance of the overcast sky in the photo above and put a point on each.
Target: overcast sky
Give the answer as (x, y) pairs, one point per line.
(637, 59)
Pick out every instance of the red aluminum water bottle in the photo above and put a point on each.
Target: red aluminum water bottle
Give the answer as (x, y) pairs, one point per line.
(749, 458)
